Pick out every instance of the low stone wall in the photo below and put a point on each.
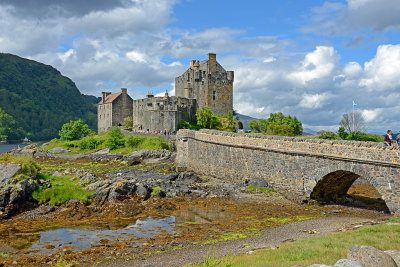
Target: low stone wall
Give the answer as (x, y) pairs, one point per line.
(292, 165)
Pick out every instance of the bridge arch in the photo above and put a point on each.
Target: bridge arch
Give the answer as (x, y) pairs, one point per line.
(295, 166)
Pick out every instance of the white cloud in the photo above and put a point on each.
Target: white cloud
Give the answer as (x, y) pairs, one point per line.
(339, 19)
(313, 101)
(382, 72)
(136, 56)
(316, 65)
(371, 115)
(269, 59)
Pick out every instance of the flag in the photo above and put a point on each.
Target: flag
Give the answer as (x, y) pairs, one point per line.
(354, 104)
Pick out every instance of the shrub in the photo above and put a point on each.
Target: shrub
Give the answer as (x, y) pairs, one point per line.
(115, 138)
(134, 141)
(89, 142)
(74, 130)
(327, 135)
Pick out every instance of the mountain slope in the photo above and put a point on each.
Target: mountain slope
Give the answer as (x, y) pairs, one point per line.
(39, 98)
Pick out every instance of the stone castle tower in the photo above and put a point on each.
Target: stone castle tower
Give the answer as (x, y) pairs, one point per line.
(209, 83)
(203, 84)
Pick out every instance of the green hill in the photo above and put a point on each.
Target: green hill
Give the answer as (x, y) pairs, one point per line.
(40, 99)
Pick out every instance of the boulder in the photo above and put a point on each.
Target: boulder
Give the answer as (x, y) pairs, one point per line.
(59, 150)
(149, 154)
(348, 263)
(370, 256)
(395, 254)
(7, 171)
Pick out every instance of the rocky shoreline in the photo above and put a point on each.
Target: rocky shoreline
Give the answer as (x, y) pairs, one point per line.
(131, 191)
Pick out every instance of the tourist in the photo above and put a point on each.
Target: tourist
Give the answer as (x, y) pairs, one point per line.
(388, 138)
(397, 139)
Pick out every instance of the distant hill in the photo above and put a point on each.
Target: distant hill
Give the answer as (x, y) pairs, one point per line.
(245, 120)
(308, 131)
(40, 99)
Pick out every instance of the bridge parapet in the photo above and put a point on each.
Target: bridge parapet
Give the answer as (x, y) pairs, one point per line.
(347, 150)
(292, 165)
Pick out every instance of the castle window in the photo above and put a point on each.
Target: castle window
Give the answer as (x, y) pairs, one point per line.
(214, 95)
(188, 76)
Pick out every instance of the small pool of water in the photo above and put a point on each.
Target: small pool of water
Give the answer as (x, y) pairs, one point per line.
(83, 238)
(134, 235)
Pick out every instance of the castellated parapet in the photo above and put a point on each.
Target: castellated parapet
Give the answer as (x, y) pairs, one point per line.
(209, 83)
(162, 114)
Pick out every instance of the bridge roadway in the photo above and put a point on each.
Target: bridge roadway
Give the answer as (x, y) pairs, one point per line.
(295, 166)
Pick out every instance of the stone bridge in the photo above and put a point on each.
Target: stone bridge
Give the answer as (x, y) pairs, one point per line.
(296, 166)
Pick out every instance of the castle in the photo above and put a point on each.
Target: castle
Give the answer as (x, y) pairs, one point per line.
(203, 84)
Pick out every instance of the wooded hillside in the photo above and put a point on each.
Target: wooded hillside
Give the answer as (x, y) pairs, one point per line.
(40, 99)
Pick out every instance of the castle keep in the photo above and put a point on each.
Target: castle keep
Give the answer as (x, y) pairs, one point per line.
(203, 84)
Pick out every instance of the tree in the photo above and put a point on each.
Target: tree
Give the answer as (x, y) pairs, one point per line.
(278, 124)
(226, 123)
(115, 139)
(206, 118)
(342, 133)
(128, 122)
(353, 122)
(9, 128)
(74, 130)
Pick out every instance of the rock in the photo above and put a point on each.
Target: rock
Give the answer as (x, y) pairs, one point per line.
(149, 154)
(320, 265)
(395, 254)
(59, 150)
(7, 171)
(144, 191)
(348, 263)
(370, 256)
(101, 152)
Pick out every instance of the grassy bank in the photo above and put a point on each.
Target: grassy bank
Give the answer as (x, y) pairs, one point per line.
(324, 250)
(113, 139)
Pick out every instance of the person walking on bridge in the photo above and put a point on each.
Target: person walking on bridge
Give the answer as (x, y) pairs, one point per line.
(388, 138)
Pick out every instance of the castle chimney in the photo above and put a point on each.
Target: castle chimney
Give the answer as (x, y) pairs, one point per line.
(212, 62)
(230, 75)
(124, 91)
(103, 96)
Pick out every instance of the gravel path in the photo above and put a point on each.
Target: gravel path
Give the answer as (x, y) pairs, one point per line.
(271, 237)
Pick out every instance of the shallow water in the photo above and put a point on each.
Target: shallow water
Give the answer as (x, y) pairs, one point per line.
(7, 147)
(82, 238)
(137, 233)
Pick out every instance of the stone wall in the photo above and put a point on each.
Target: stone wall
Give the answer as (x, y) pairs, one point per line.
(209, 83)
(162, 113)
(297, 167)
(104, 117)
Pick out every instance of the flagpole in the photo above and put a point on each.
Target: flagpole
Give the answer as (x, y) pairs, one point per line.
(353, 117)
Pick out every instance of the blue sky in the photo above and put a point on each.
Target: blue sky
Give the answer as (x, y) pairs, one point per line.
(310, 59)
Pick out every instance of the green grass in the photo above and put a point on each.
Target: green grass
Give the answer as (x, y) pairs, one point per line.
(97, 142)
(211, 260)
(156, 190)
(259, 189)
(29, 168)
(62, 190)
(325, 249)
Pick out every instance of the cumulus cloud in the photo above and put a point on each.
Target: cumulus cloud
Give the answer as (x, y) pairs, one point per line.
(339, 19)
(316, 65)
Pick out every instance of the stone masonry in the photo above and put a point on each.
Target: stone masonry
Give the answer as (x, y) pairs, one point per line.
(209, 83)
(113, 109)
(295, 166)
(203, 84)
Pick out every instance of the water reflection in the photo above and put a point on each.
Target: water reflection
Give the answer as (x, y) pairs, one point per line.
(85, 238)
